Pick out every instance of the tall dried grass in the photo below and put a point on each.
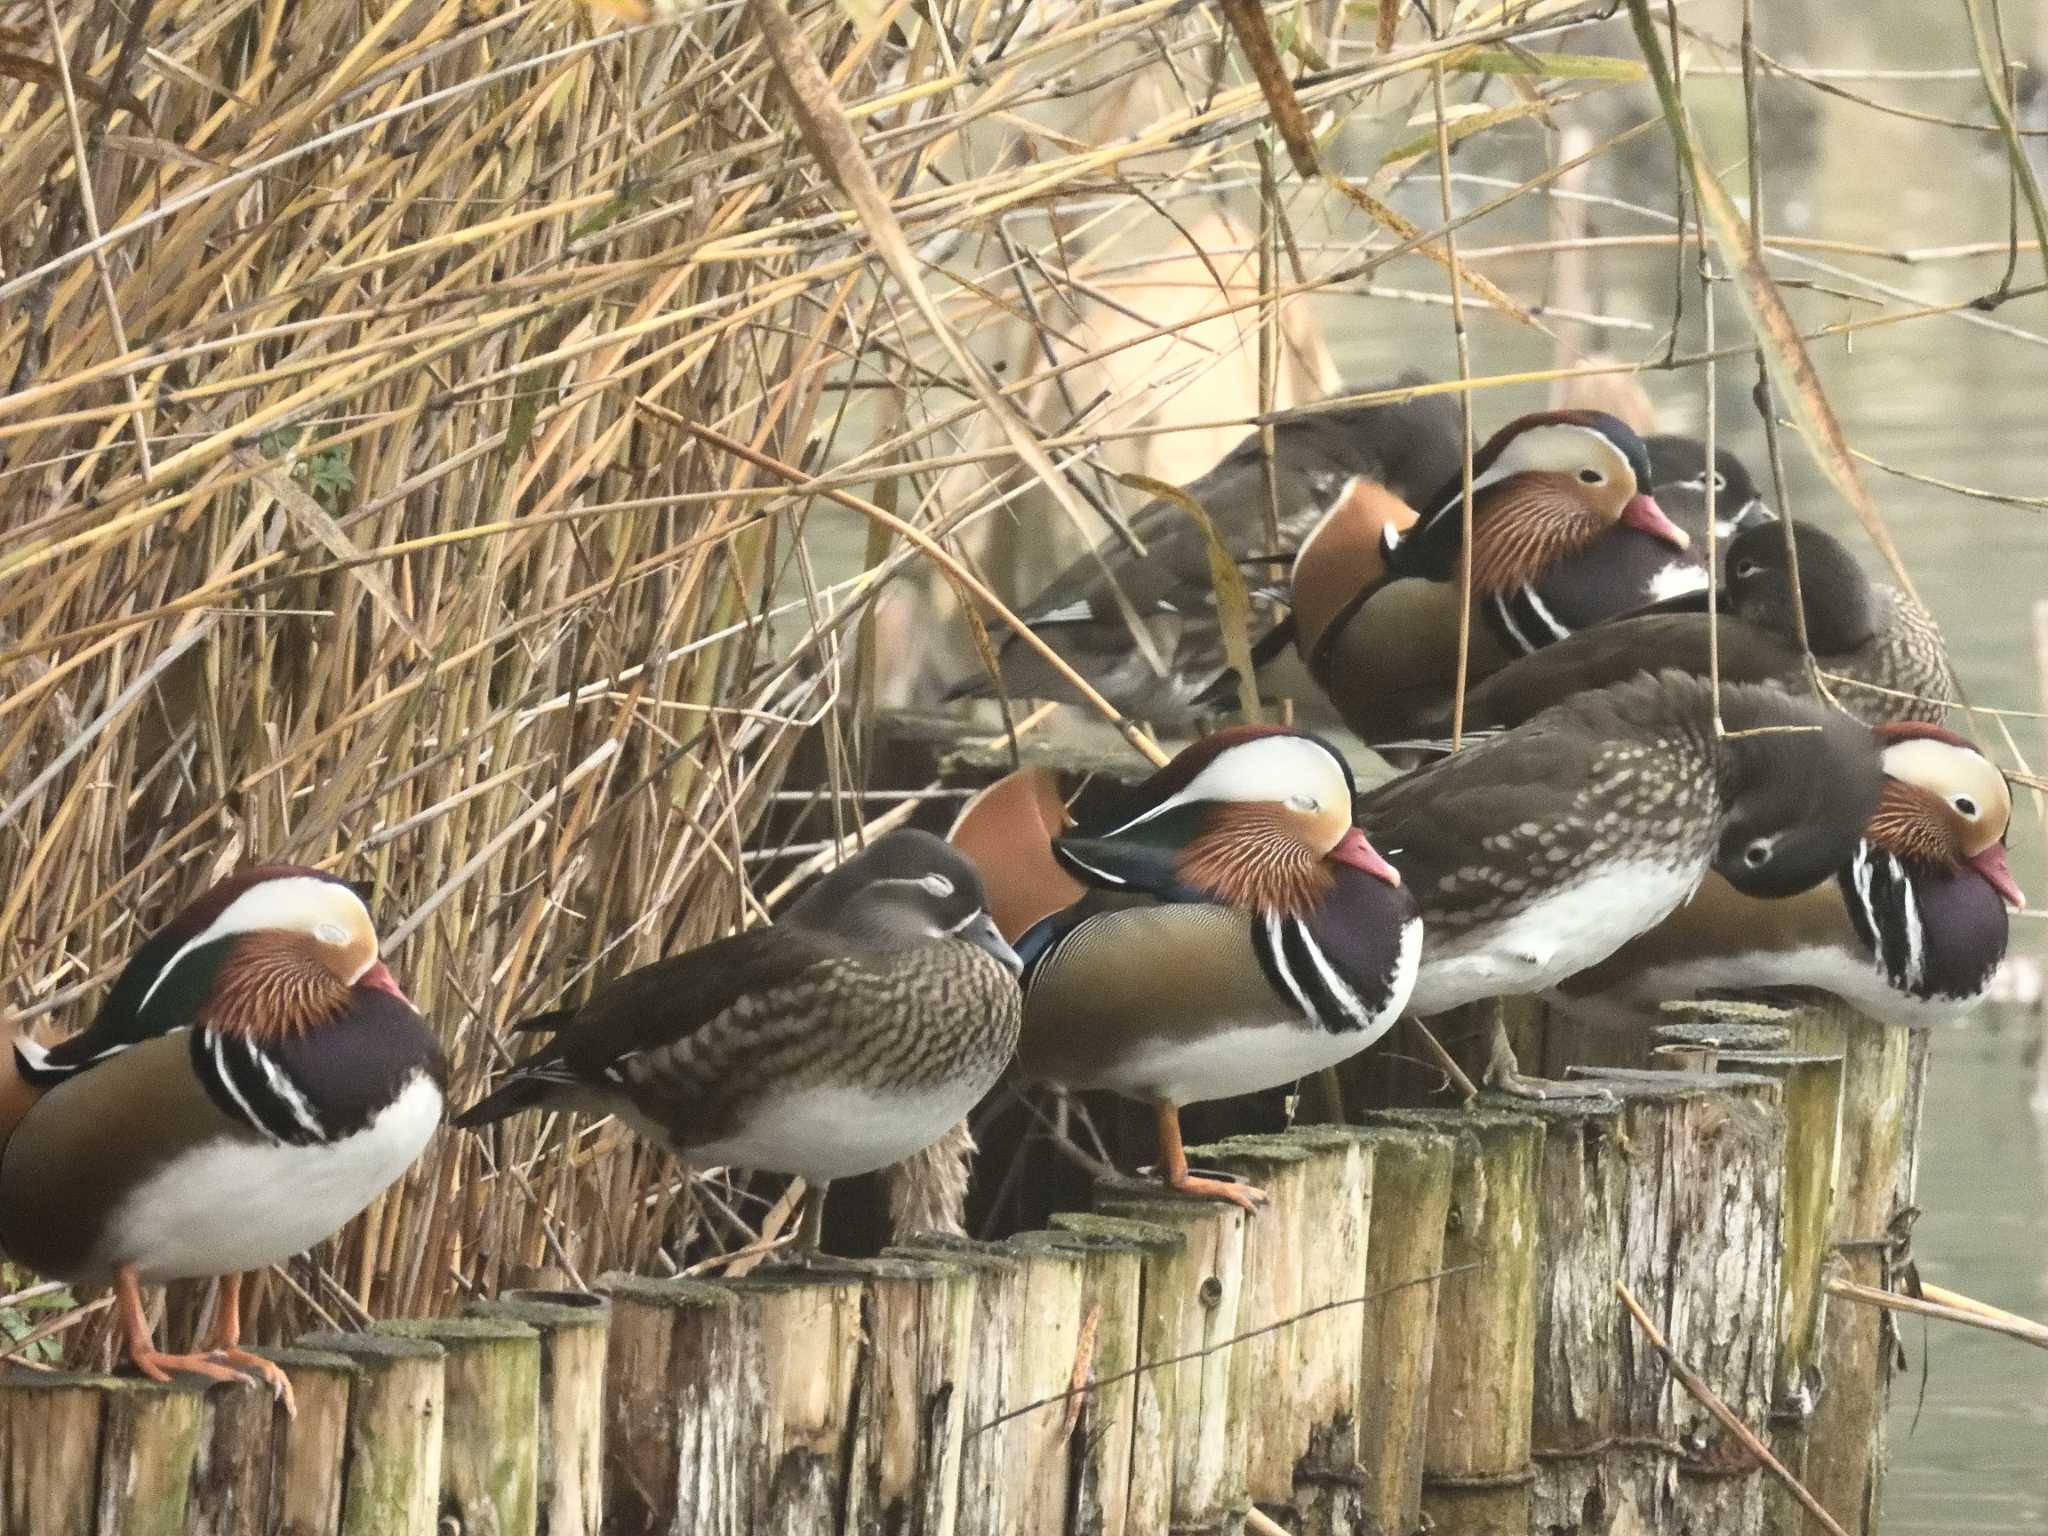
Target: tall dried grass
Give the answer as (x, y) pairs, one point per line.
(369, 496)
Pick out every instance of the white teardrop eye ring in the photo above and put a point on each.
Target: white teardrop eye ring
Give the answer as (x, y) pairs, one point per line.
(1304, 803)
(938, 885)
(331, 933)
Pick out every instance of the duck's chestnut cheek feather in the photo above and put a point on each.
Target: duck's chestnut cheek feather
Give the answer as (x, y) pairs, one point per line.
(1353, 849)
(1643, 513)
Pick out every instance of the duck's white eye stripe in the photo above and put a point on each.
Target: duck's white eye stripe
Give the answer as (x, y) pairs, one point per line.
(938, 885)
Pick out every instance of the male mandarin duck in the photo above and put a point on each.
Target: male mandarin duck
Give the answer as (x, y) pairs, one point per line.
(855, 1030)
(1270, 940)
(1376, 592)
(1910, 930)
(1535, 854)
(1397, 451)
(1862, 632)
(253, 1081)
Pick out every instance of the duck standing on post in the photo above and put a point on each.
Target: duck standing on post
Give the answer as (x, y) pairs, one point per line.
(1862, 633)
(254, 1080)
(856, 1029)
(1535, 854)
(1910, 931)
(1376, 594)
(1232, 932)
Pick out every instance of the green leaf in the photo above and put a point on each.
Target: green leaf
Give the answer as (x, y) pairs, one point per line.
(1551, 66)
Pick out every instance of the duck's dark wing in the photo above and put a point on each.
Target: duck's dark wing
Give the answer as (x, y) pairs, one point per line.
(1614, 652)
(653, 1007)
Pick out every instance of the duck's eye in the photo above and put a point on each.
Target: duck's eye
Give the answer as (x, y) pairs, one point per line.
(1720, 481)
(1747, 567)
(1965, 806)
(331, 933)
(938, 885)
(1758, 853)
(1308, 805)
(1592, 477)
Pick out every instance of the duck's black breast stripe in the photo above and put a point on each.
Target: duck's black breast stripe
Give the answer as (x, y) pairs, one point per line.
(234, 1074)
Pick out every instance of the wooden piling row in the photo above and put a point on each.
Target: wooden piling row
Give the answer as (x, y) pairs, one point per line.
(1421, 1325)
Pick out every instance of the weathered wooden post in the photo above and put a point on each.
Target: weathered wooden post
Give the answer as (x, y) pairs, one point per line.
(50, 1442)
(393, 1483)
(310, 1460)
(1197, 1287)
(904, 1478)
(1306, 1261)
(149, 1440)
(983, 1389)
(1476, 1467)
(573, 1327)
(490, 1445)
(1579, 1334)
(1048, 1319)
(1111, 1262)
(802, 1334)
(1883, 1076)
(1411, 1201)
(682, 1410)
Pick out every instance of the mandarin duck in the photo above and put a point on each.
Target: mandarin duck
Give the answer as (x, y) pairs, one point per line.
(1376, 592)
(1910, 930)
(1535, 854)
(1271, 940)
(1400, 450)
(856, 1029)
(254, 1079)
(1862, 633)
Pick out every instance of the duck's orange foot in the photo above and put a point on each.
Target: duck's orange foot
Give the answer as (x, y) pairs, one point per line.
(271, 1372)
(158, 1366)
(1248, 1197)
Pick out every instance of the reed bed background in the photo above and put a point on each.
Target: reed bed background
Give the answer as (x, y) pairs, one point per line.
(476, 447)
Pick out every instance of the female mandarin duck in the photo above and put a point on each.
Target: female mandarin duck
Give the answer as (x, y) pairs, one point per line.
(1272, 940)
(1883, 654)
(1400, 450)
(1376, 592)
(254, 1080)
(1909, 931)
(1535, 854)
(856, 1029)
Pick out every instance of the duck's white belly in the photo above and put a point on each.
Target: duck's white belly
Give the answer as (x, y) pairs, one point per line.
(1574, 927)
(829, 1132)
(1855, 980)
(1238, 1059)
(235, 1206)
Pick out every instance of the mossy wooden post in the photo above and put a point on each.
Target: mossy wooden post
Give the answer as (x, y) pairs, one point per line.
(682, 1411)
(1476, 1471)
(1579, 1346)
(1812, 1097)
(1882, 1077)
(1191, 1308)
(1303, 1460)
(904, 1478)
(490, 1448)
(1411, 1201)
(802, 1331)
(149, 1443)
(573, 1327)
(1102, 1416)
(393, 1483)
(1701, 1250)
(310, 1455)
(49, 1450)
(985, 1435)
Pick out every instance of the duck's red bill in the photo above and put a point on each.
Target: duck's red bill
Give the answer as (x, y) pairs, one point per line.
(380, 977)
(1354, 850)
(1992, 866)
(1643, 514)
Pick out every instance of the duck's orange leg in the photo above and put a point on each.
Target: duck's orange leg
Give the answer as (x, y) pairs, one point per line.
(1173, 1166)
(227, 1345)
